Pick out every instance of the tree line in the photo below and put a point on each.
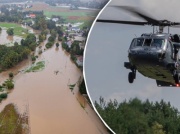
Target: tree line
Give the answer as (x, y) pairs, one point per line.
(138, 117)
(11, 56)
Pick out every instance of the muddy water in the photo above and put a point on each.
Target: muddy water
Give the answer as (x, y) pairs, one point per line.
(5, 39)
(53, 107)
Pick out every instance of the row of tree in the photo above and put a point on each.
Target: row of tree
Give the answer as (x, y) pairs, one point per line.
(12, 15)
(138, 117)
(11, 56)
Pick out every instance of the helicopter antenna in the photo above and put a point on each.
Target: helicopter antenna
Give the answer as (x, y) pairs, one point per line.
(135, 35)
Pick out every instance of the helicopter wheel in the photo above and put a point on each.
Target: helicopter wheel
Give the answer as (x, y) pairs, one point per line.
(131, 77)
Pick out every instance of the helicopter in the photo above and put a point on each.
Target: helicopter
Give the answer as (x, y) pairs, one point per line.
(154, 55)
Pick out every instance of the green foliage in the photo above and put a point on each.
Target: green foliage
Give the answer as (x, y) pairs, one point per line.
(73, 57)
(40, 23)
(36, 67)
(59, 31)
(157, 128)
(11, 56)
(3, 95)
(11, 75)
(32, 46)
(75, 49)
(82, 88)
(65, 46)
(33, 58)
(51, 39)
(42, 37)
(51, 24)
(12, 121)
(44, 32)
(60, 38)
(137, 117)
(9, 84)
(10, 31)
(53, 33)
(16, 44)
(29, 42)
(49, 45)
(57, 44)
(71, 87)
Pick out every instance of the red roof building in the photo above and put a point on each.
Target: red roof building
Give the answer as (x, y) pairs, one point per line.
(32, 15)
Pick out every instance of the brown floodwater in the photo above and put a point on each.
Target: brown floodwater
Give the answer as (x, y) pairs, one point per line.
(53, 107)
(5, 39)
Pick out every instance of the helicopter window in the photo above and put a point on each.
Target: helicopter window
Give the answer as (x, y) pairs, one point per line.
(139, 42)
(133, 42)
(147, 42)
(158, 43)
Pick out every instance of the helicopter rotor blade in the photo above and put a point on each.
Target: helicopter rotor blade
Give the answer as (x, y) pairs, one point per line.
(176, 26)
(122, 22)
(139, 13)
(150, 21)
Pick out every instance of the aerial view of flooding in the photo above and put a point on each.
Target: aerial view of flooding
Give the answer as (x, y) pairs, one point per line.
(53, 108)
(44, 100)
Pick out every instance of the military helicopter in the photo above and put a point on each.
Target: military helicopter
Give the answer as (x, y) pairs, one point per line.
(155, 55)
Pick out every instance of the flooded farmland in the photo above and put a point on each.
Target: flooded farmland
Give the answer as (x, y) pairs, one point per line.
(6, 39)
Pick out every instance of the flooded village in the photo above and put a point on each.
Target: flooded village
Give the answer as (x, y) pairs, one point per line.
(41, 58)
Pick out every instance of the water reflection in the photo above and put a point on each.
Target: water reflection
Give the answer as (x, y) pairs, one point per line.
(6, 39)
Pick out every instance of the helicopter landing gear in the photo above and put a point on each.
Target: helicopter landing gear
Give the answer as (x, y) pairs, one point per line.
(131, 76)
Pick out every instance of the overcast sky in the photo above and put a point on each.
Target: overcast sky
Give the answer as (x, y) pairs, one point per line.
(107, 50)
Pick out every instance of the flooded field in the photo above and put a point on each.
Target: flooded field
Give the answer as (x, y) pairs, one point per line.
(8, 40)
(53, 107)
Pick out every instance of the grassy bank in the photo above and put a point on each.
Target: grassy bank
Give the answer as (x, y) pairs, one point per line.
(10, 121)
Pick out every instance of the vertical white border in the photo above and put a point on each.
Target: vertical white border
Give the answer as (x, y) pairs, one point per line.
(84, 66)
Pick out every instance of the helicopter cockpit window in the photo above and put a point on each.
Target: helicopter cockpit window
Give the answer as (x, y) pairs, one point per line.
(158, 43)
(147, 42)
(139, 42)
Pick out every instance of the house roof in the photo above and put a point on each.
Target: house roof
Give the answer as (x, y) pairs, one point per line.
(79, 38)
(32, 15)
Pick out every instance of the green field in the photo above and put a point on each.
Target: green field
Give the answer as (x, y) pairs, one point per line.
(65, 14)
(9, 121)
(18, 30)
(75, 16)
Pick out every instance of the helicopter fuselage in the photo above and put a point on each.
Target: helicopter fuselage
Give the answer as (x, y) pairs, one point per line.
(154, 56)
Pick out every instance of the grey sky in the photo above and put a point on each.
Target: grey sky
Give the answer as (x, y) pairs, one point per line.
(107, 49)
